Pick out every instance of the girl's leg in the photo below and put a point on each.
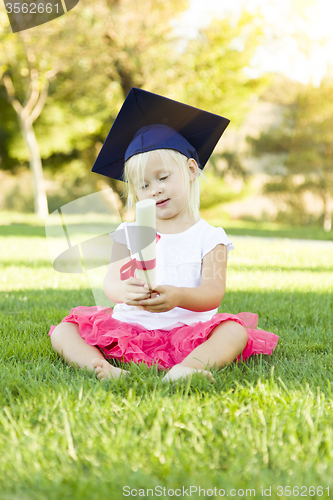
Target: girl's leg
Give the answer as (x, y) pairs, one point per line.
(69, 344)
(225, 343)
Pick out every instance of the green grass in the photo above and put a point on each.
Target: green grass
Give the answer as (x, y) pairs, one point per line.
(266, 229)
(16, 224)
(266, 422)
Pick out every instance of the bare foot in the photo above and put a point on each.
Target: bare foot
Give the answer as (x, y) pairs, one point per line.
(104, 370)
(179, 371)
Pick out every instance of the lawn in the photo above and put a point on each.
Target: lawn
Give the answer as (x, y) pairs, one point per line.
(264, 426)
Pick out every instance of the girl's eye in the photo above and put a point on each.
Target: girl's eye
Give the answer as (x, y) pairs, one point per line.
(161, 179)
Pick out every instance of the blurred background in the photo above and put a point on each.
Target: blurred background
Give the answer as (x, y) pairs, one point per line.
(265, 65)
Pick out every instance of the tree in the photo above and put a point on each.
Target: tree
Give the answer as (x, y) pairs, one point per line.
(98, 52)
(30, 60)
(304, 143)
(28, 112)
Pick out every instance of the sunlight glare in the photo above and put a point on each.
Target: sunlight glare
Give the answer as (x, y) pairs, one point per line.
(299, 35)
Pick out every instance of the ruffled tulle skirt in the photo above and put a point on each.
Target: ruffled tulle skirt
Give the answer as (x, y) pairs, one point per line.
(132, 342)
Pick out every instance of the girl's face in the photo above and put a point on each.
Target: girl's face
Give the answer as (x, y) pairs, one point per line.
(163, 183)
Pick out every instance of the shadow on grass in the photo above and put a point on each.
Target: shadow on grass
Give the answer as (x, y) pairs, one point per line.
(27, 230)
(312, 233)
(292, 233)
(22, 229)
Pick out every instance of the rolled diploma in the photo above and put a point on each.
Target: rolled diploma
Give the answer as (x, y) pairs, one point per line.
(146, 216)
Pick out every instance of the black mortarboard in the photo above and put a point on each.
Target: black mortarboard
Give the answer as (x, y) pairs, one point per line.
(149, 121)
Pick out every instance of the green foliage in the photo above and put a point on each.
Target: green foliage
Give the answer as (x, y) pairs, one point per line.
(9, 131)
(229, 162)
(216, 191)
(70, 182)
(101, 50)
(212, 73)
(275, 141)
(304, 143)
(17, 193)
(65, 434)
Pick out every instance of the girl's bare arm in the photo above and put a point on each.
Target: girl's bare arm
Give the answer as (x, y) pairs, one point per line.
(112, 283)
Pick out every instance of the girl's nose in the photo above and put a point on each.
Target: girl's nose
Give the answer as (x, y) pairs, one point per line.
(156, 190)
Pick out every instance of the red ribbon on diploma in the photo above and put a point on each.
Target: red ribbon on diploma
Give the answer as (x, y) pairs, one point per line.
(128, 269)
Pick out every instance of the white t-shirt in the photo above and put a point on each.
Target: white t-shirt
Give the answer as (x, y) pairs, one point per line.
(178, 263)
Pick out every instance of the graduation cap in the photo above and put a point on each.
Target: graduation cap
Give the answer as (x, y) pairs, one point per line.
(149, 121)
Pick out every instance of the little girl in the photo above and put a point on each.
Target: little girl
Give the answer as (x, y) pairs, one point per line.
(159, 147)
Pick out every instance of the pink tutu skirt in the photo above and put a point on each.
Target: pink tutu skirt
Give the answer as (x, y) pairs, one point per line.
(132, 342)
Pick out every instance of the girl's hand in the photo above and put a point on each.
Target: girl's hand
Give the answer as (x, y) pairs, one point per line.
(167, 299)
(132, 290)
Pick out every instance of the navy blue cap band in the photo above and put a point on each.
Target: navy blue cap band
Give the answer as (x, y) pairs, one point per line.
(152, 137)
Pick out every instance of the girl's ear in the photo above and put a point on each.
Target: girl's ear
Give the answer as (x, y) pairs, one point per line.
(193, 166)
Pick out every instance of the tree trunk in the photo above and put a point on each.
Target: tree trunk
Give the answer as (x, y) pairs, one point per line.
(327, 212)
(40, 200)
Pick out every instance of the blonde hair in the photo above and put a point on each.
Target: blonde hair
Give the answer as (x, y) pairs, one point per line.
(138, 164)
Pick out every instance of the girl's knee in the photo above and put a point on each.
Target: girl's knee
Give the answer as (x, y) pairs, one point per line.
(61, 332)
(238, 332)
